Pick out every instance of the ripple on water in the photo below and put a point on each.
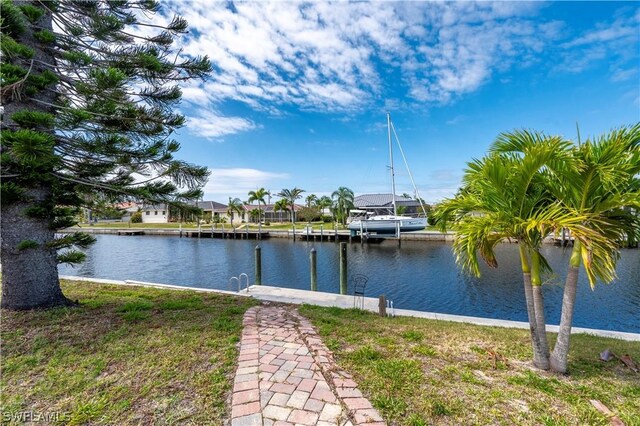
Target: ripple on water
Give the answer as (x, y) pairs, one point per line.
(418, 275)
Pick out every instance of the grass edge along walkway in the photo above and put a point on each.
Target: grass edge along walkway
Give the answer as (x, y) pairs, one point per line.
(125, 355)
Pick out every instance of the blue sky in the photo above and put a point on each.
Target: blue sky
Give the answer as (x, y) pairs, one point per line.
(299, 91)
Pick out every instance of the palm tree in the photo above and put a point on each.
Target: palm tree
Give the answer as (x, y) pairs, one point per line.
(291, 195)
(324, 202)
(311, 200)
(281, 206)
(505, 197)
(254, 214)
(235, 206)
(258, 195)
(342, 202)
(601, 185)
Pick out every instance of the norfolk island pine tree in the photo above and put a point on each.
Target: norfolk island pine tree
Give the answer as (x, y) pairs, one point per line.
(87, 107)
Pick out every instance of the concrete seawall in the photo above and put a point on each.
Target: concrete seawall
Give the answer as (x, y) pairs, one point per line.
(294, 296)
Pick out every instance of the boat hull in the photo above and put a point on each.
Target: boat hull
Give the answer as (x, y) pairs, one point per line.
(388, 226)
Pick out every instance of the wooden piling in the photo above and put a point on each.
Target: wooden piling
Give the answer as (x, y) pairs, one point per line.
(258, 266)
(343, 268)
(314, 270)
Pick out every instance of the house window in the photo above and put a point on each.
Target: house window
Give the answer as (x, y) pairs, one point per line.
(163, 212)
(156, 212)
(148, 213)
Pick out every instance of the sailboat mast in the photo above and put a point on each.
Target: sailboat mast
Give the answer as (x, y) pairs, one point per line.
(393, 174)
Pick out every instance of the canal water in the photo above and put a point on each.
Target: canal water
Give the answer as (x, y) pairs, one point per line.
(418, 275)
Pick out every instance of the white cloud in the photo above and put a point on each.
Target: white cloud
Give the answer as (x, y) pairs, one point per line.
(336, 56)
(344, 56)
(616, 41)
(211, 125)
(237, 182)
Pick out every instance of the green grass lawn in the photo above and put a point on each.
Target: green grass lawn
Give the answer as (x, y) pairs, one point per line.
(423, 372)
(131, 355)
(124, 356)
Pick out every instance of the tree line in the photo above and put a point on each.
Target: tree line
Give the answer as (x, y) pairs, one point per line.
(340, 203)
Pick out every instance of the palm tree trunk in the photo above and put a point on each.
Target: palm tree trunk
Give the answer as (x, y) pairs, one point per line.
(540, 356)
(538, 303)
(560, 354)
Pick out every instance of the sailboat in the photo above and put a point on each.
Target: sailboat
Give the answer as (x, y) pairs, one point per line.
(392, 223)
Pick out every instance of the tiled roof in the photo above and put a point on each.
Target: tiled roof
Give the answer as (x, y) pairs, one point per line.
(155, 207)
(211, 206)
(381, 200)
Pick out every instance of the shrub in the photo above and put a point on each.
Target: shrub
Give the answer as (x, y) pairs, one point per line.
(136, 217)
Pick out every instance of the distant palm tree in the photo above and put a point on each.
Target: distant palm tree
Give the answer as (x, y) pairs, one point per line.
(258, 195)
(234, 206)
(342, 202)
(281, 206)
(255, 214)
(311, 200)
(324, 202)
(291, 195)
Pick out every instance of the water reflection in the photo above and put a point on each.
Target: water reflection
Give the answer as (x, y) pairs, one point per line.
(417, 275)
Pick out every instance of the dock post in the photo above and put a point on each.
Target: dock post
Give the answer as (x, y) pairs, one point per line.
(294, 232)
(343, 268)
(314, 270)
(180, 229)
(382, 306)
(258, 266)
(321, 232)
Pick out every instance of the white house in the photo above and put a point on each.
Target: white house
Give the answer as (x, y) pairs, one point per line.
(157, 213)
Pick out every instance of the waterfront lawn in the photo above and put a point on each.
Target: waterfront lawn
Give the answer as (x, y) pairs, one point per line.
(419, 372)
(126, 355)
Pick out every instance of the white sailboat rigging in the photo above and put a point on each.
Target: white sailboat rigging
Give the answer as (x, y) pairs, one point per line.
(393, 223)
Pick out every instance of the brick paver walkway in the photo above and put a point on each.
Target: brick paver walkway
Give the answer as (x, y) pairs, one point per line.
(287, 376)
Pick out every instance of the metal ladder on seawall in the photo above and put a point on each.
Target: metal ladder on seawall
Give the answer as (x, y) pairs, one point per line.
(238, 279)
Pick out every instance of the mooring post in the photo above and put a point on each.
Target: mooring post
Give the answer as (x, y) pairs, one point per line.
(321, 233)
(294, 232)
(180, 229)
(382, 306)
(343, 268)
(314, 270)
(258, 266)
